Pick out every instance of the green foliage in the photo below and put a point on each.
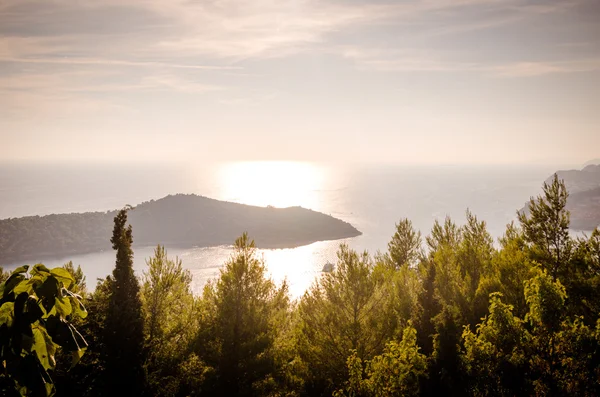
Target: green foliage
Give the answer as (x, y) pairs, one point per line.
(495, 355)
(3, 275)
(36, 310)
(405, 246)
(548, 353)
(88, 378)
(546, 300)
(594, 252)
(123, 333)
(170, 323)
(546, 228)
(396, 372)
(510, 268)
(347, 309)
(453, 277)
(242, 314)
(577, 359)
(79, 285)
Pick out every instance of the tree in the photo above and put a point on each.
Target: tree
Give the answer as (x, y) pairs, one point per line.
(3, 275)
(124, 329)
(405, 246)
(511, 266)
(170, 322)
(242, 314)
(396, 372)
(79, 286)
(547, 353)
(546, 227)
(458, 260)
(346, 310)
(495, 355)
(36, 309)
(88, 378)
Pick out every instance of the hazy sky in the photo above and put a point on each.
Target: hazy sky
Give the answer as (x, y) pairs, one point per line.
(451, 81)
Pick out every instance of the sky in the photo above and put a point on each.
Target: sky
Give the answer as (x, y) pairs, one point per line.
(415, 82)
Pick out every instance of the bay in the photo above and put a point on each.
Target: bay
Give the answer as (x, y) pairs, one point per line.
(371, 197)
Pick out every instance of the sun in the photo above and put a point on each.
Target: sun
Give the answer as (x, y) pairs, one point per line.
(271, 183)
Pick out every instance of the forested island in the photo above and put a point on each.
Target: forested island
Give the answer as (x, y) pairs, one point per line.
(176, 221)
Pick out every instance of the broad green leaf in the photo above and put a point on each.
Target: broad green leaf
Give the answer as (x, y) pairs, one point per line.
(6, 313)
(63, 276)
(39, 269)
(33, 310)
(44, 347)
(76, 356)
(48, 291)
(78, 307)
(21, 269)
(11, 283)
(63, 306)
(24, 286)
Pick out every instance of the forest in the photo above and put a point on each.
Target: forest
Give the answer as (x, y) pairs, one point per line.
(448, 313)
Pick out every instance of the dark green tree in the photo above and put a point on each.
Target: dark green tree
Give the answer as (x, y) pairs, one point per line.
(124, 327)
(346, 310)
(396, 372)
(546, 228)
(79, 286)
(242, 314)
(405, 247)
(171, 323)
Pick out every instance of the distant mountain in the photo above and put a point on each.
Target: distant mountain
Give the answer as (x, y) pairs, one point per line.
(176, 221)
(584, 196)
(592, 162)
(580, 180)
(585, 209)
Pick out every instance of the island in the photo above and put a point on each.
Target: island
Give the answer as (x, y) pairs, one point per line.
(182, 221)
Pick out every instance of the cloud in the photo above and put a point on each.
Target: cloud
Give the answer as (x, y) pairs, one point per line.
(528, 69)
(423, 61)
(149, 31)
(152, 45)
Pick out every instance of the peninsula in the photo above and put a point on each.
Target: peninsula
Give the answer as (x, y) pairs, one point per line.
(180, 220)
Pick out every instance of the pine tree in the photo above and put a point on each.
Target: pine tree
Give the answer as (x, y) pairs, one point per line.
(243, 312)
(124, 330)
(405, 246)
(546, 227)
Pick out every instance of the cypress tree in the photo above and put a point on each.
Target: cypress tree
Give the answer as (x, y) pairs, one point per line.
(124, 330)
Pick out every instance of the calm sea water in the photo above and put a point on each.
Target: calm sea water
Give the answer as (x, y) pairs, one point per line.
(372, 198)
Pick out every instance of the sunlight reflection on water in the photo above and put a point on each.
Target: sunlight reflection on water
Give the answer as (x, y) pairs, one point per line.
(370, 198)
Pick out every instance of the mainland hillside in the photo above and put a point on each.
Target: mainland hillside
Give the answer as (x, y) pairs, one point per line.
(176, 221)
(585, 209)
(584, 195)
(587, 178)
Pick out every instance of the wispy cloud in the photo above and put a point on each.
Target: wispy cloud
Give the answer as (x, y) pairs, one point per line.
(527, 69)
(385, 60)
(153, 45)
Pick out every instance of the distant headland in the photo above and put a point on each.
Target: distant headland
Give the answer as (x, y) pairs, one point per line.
(181, 220)
(584, 195)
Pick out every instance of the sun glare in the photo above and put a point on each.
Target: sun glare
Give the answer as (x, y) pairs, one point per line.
(271, 183)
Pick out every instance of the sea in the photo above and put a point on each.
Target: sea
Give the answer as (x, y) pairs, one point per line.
(372, 197)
